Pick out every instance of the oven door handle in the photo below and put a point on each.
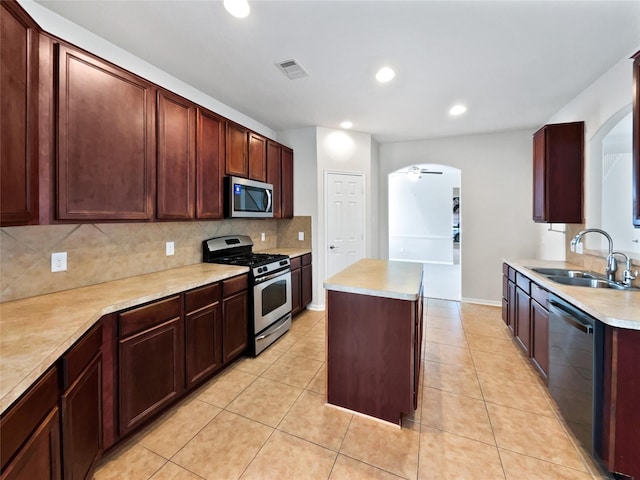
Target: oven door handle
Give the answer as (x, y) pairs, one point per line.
(262, 337)
(569, 318)
(266, 278)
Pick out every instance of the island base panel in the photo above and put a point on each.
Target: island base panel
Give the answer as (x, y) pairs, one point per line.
(370, 354)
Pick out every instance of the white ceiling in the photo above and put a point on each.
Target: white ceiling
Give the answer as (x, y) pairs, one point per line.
(513, 63)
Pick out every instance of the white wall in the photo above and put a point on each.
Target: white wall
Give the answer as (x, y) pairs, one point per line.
(496, 200)
(61, 27)
(609, 96)
(421, 216)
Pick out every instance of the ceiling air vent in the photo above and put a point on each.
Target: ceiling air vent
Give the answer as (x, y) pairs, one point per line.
(292, 69)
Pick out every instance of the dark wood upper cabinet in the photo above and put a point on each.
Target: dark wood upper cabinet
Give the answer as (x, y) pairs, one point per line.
(176, 179)
(211, 140)
(558, 152)
(19, 120)
(274, 173)
(105, 140)
(636, 140)
(286, 194)
(257, 157)
(237, 150)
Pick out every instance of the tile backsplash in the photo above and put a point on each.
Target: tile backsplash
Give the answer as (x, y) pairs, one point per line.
(99, 253)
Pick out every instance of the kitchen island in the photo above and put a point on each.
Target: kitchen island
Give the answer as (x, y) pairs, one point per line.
(374, 337)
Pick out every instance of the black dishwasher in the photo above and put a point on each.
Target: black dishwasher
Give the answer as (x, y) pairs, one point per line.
(576, 369)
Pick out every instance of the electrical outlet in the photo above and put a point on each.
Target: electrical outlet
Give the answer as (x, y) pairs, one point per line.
(59, 262)
(263, 237)
(170, 249)
(301, 236)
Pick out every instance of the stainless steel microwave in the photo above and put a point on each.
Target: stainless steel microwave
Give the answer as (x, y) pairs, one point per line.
(248, 198)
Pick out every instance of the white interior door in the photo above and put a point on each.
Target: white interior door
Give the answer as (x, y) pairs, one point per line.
(345, 220)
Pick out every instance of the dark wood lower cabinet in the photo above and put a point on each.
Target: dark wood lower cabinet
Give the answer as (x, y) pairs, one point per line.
(203, 333)
(301, 283)
(151, 373)
(540, 338)
(30, 433)
(81, 406)
(40, 457)
(523, 319)
(82, 423)
(234, 326)
(372, 350)
(621, 391)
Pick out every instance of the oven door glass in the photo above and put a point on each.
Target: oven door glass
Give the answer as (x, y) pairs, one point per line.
(271, 301)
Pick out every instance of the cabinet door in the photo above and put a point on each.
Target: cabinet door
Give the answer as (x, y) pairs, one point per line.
(274, 169)
(636, 141)
(296, 291)
(511, 305)
(210, 165)
(540, 340)
(82, 423)
(558, 151)
(234, 326)
(40, 457)
(203, 340)
(286, 195)
(151, 372)
(237, 150)
(105, 141)
(19, 119)
(257, 157)
(523, 319)
(306, 292)
(176, 140)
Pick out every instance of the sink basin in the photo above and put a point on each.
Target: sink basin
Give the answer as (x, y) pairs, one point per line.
(579, 278)
(588, 282)
(565, 272)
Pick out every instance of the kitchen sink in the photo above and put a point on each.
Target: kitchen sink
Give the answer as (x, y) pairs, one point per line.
(580, 278)
(587, 282)
(565, 272)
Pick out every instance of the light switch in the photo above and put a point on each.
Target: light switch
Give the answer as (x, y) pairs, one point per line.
(263, 237)
(301, 236)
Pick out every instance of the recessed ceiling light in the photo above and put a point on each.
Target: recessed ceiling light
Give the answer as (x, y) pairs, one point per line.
(237, 8)
(385, 74)
(346, 124)
(457, 110)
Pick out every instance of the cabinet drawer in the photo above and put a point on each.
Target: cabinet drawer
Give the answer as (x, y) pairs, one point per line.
(234, 285)
(80, 355)
(21, 420)
(539, 294)
(149, 315)
(296, 262)
(523, 283)
(306, 259)
(512, 275)
(201, 297)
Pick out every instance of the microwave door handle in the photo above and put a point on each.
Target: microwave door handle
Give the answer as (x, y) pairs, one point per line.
(268, 193)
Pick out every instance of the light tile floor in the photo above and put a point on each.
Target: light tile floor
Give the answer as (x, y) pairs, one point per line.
(483, 414)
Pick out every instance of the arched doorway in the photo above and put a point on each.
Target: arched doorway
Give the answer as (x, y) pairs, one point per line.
(425, 224)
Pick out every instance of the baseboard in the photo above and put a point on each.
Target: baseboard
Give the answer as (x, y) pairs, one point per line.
(481, 301)
(316, 307)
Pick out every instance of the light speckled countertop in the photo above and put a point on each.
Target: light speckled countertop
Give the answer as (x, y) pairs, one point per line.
(617, 308)
(36, 331)
(379, 278)
(291, 252)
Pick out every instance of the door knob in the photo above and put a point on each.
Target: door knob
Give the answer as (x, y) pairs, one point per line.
(332, 247)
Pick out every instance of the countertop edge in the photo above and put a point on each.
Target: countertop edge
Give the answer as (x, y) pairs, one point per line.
(371, 292)
(565, 291)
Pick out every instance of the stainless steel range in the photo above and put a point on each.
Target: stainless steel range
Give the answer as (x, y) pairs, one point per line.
(270, 278)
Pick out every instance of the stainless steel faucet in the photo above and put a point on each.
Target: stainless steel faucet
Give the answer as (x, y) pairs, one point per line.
(612, 265)
(628, 275)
